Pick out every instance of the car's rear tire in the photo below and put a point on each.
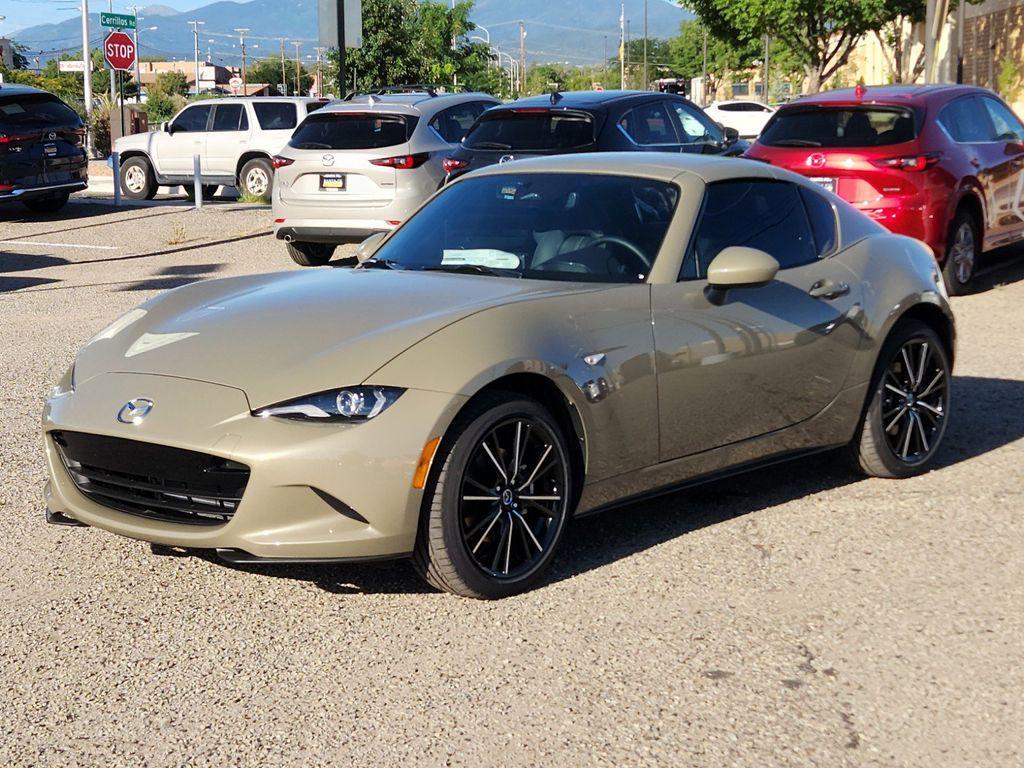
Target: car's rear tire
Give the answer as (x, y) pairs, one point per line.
(257, 178)
(310, 254)
(492, 519)
(908, 411)
(49, 204)
(963, 251)
(208, 191)
(137, 179)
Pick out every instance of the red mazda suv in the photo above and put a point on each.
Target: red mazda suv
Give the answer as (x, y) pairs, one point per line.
(941, 163)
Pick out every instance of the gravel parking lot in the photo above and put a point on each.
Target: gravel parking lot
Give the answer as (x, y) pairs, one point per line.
(798, 616)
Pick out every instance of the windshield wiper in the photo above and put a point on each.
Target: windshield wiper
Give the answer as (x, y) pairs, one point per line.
(466, 269)
(378, 264)
(491, 145)
(311, 145)
(796, 143)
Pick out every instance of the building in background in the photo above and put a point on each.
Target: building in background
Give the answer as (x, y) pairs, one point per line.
(994, 45)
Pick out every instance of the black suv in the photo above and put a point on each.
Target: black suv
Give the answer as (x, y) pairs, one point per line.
(590, 121)
(42, 149)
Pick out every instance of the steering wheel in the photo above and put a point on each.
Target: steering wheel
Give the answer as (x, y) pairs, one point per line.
(645, 264)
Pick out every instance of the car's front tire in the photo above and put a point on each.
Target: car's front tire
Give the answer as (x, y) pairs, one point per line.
(49, 204)
(137, 179)
(495, 511)
(908, 412)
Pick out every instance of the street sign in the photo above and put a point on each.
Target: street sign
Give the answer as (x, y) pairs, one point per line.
(117, 20)
(119, 51)
(73, 65)
(235, 83)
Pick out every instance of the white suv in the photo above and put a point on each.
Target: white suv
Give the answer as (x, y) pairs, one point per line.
(363, 165)
(234, 138)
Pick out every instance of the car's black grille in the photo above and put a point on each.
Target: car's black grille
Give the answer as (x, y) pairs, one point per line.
(153, 480)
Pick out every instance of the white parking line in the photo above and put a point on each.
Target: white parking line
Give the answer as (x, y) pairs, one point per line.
(60, 245)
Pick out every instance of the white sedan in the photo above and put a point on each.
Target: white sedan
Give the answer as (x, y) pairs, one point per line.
(747, 117)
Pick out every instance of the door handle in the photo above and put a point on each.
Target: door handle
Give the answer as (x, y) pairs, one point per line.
(828, 289)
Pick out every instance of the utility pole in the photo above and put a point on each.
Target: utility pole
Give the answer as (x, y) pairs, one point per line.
(625, 55)
(298, 68)
(767, 68)
(114, 75)
(646, 81)
(622, 47)
(86, 62)
(195, 35)
(319, 71)
(522, 56)
(284, 73)
(704, 71)
(241, 41)
(606, 53)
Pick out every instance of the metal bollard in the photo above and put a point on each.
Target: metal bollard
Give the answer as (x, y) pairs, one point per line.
(115, 159)
(197, 181)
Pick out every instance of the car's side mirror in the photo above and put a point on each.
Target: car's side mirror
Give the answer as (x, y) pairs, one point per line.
(739, 267)
(731, 135)
(166, 127)
(369, 246)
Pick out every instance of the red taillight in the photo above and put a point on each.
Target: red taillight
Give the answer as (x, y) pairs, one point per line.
(6, 187)
(403, 162)
(909, 162)
(279, 221)
(280, 162)
(450, 164)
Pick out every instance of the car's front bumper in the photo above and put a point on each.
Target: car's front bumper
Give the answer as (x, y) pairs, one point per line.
(368, 466)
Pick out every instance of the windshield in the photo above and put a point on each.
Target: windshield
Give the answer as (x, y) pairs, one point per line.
(531, 130)
(34, 110)
(544, 226)
(352, 130)
(815, 126)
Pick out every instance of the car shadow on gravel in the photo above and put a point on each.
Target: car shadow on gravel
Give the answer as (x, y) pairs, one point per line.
(980, 423)
(1002, 267)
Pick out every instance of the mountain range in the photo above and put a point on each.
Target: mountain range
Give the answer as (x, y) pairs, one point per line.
(573, 31)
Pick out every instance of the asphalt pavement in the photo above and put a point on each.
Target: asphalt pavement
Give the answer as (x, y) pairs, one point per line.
(798, 616)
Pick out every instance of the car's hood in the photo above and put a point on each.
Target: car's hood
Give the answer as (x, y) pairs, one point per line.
(279, 336)
(133, 141)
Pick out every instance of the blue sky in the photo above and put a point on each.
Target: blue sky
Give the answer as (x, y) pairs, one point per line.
(27, 13)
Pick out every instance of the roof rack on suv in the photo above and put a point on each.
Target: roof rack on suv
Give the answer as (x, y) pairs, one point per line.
(385, 90)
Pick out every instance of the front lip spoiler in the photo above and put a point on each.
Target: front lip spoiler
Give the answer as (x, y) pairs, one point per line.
(59, 518)
(241, 557)
(73, 186)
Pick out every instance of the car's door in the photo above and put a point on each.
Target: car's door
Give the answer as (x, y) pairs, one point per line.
(770, 356)
(698, 133)
(226, 140)
(174, 149)
(1007, 170)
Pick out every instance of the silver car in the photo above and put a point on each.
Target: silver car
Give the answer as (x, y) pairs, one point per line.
(234, 138)
(363, 165)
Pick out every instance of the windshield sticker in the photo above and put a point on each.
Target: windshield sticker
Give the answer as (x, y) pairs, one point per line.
(484, 257)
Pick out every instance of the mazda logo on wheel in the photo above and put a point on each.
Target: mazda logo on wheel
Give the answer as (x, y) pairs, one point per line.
(506, 158)
(134, 411)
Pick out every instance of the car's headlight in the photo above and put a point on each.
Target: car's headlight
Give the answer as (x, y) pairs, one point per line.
(348, 404)
(66, 385)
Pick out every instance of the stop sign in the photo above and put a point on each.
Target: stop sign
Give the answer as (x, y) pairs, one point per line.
(119, 51)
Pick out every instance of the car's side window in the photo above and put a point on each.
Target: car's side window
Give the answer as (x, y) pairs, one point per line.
(275, 116)
(967, 121)
(756, 213)
(230, 117)
(695, 129)
(193, 119)
(1007, 126)
(453, 123)
(823, 221)
(649, 125)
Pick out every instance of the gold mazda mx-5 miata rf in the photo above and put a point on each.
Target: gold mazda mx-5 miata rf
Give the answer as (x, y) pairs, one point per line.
(543, 339)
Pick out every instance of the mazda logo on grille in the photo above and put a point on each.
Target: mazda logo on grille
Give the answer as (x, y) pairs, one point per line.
(134, 411)
(506, 158)
(327, 159)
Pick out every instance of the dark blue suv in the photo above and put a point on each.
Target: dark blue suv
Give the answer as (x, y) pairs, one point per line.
(590, 121)
(42, 149)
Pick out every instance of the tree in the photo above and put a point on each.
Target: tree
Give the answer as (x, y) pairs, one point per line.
(686, 52)
(172, 83)
(896, 36)
(268, 70)
(821, 33)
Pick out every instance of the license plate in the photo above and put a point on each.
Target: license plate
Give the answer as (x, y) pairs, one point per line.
(50, 150)
(826, 182)
(334, 181)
